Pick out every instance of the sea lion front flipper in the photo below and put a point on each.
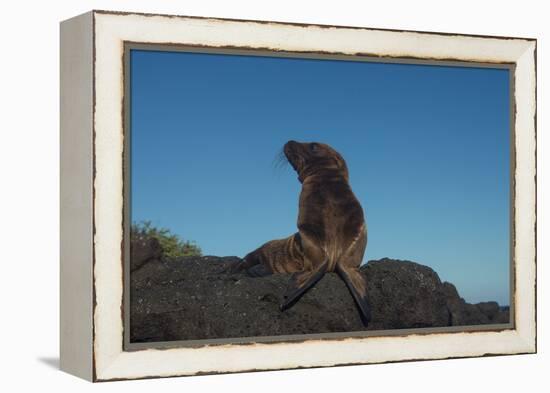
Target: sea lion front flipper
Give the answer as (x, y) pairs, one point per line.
(259, 270)
(357, 285)
(300, 283)
(244, 265)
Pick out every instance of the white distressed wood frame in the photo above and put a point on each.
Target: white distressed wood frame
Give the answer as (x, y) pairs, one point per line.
(92, 89)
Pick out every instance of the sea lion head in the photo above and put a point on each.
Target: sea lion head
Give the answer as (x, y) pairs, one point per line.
(314, 158)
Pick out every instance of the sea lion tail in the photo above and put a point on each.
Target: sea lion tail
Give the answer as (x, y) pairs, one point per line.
(357, 285)
(300, 283)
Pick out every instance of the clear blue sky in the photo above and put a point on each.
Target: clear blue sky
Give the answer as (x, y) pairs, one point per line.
(427, 148)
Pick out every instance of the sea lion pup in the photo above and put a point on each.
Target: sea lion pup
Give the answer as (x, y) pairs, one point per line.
(332, 234)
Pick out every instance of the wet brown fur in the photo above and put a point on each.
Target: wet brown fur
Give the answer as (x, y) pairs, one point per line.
(332, 234)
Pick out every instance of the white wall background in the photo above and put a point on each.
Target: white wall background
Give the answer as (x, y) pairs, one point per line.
(29, 210)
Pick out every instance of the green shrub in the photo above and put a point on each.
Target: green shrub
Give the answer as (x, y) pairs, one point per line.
(172, 245)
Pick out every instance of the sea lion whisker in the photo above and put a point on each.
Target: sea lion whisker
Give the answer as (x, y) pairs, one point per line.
(280, 160)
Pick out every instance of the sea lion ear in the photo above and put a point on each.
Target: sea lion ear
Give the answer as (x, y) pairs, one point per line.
(340, 162)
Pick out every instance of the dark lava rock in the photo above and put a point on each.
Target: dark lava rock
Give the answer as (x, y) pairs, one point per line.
(462, 313)
(194, 298)
(144, 250)
(404, 294)
(490, 309)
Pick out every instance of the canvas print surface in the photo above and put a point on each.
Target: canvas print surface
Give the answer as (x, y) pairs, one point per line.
(276, 196)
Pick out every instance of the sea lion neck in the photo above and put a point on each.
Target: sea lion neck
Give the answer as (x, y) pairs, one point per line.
(321, 175)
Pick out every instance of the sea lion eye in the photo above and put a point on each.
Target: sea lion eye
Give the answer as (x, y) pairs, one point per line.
(313, 147)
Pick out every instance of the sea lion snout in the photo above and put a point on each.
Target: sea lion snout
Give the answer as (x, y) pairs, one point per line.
(293, 147)
(302, 154)
(290, 148)
(292, 153)
(308, 158)
(291, 144)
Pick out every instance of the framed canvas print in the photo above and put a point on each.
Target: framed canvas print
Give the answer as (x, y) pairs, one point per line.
(247, 195)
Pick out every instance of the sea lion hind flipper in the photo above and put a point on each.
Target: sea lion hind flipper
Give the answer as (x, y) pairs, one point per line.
(300, 283)
(357, 285)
